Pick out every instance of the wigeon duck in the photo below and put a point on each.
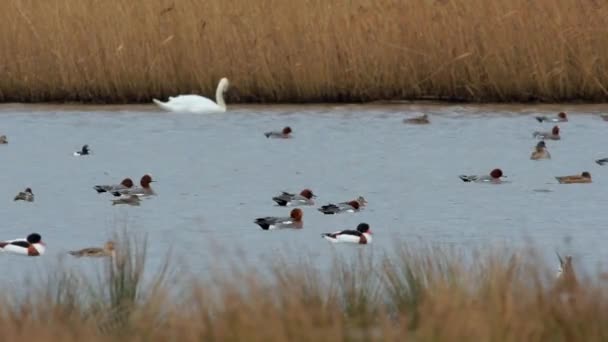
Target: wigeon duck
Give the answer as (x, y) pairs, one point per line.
(286, 199)
(561, 117)
(30, 246)
(584, 177)
(344, 207)
(293, 221)
(602, 161)
(284, 134)
(127, 199)
(362, 236)
(604, 116)
(84, 151)
(107, 250)
(493, 177)
(553, 135)
(144, 190)
(26, 195)
(541, 151)
(3, 139)
(419, 120)
(125, 184)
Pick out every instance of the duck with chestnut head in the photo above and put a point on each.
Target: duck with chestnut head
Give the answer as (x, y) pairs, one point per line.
(344, 207)
(495, 177)
(144, 190)
(126, 183)
(286, 199)
(285, 133)
(553, 135)
(561, 117)
(271, 222)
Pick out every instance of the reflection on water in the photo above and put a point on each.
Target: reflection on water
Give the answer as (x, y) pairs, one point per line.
(217, 173)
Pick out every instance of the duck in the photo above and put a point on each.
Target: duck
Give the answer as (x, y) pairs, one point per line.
(419, 120)
(494, 177)
(602, 161)
(293, 221)
(3, 140)
(124, 184)
(344, 207)
(144, 190)
(553, 135)
(32, 245)
(540, 152)
(127, 199)
(107, 250)
(283, 134)
(197, 104)
(362, 235)
(584, 177)
(26, 195)
(84, 151)
(286, 199)
(604, 116)
(561, 117)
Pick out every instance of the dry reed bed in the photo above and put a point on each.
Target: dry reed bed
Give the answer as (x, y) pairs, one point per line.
(301, 51)
(422, 295)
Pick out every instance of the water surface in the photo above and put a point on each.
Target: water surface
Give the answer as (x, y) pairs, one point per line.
(217, 173)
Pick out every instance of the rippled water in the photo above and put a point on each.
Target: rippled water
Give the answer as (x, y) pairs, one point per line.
(217, 173)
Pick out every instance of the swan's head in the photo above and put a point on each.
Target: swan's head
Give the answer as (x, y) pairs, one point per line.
(224, 84)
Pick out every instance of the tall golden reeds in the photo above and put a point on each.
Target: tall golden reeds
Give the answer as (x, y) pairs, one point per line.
(414, 294)
(301, 51)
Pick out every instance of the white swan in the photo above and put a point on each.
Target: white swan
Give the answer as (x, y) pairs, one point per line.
(195, 103)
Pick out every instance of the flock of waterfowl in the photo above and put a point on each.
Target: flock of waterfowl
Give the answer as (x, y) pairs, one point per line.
(540, 151)
(126, 193)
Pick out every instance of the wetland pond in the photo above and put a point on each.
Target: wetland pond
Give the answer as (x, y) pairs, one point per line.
(216, 173)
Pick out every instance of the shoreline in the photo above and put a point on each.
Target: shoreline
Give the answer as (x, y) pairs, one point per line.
(594, 108)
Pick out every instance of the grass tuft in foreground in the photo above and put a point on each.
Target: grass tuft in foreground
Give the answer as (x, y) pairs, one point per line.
(424, 294)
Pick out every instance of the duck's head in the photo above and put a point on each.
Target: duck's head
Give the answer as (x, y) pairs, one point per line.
(555, 130)
(496, 173)
(296, 214)
(364, 228)
(561, 115)
(127, 182)
(286, 130)
(541, 144)
(307, 193)
(34, 238)
(361, 201)
(28, 190)
(146, 180)
(586, 174)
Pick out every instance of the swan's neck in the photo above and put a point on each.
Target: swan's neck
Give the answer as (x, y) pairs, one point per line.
(219, 96)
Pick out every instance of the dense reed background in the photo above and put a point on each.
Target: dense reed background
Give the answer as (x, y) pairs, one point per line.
(301, 51)
(423, 294)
